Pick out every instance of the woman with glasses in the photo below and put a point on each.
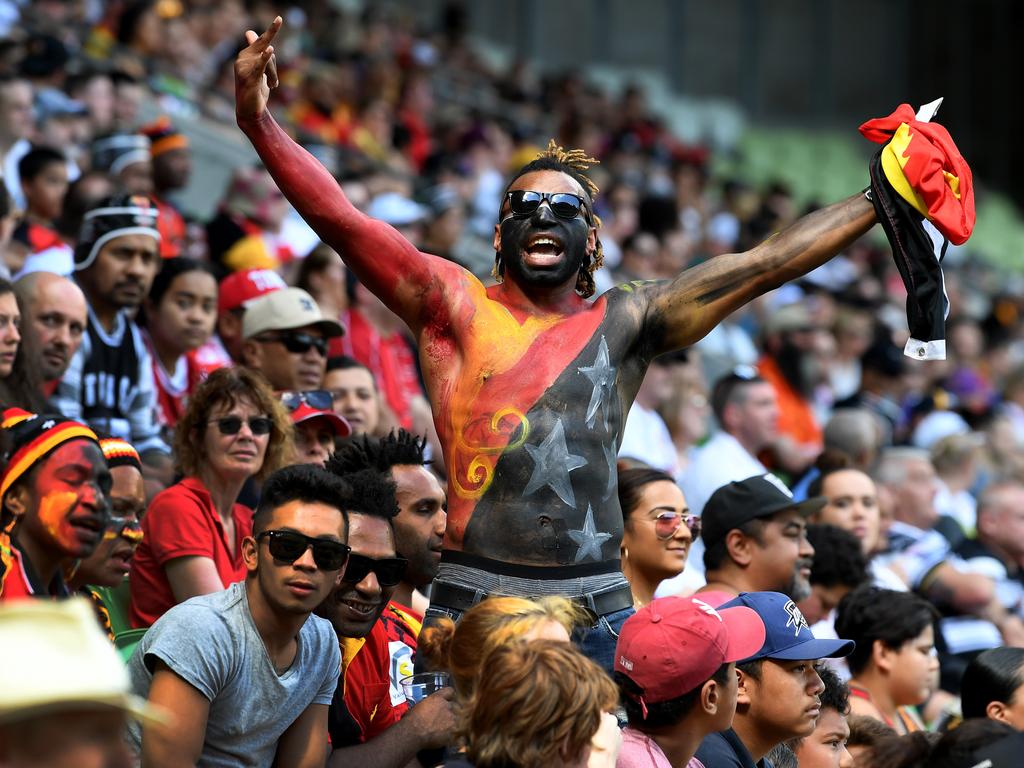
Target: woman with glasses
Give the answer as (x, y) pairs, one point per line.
(234, 429)
(658, 530)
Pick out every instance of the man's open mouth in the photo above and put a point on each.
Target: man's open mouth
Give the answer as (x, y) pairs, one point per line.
(543, 250)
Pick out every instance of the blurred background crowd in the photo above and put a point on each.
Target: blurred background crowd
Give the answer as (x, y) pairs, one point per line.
(923, 462)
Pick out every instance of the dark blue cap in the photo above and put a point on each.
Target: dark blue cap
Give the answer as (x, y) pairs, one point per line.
(787, 636)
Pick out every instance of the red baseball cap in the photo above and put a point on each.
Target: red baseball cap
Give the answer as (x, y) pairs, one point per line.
(674, 644)
(304, 412)
(239, 288)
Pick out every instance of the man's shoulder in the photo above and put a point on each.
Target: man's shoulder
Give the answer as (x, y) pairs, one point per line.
(718, 750)
(217, 612)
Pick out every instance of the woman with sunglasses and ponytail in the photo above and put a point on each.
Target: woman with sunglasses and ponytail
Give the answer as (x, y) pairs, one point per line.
(658, 529)
(233, 429)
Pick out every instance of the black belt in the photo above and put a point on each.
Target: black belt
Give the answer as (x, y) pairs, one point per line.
(457, 598)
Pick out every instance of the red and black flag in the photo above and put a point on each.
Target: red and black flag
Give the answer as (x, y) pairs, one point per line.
(924, 198)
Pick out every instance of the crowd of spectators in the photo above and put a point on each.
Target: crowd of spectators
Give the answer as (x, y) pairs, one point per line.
(180, 391)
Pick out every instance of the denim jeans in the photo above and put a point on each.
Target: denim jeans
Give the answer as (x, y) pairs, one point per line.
(597, 641)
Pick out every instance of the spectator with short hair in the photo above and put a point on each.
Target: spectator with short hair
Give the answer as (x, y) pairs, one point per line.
(675, 664)
(865, 734)
(839, 567)
(539, 704)
(109, 383)
(53, 491)
(355, 394)
(248, 672)
(993, 686)
(55, 318)
(658, 529)
(755, 539)
(366, 716)
(285, 338)
(233, 429)
(894, 664)
(779, 686)
(419, 530)
(16, 126)
(178, 318)
(43, 173)
(826, 746)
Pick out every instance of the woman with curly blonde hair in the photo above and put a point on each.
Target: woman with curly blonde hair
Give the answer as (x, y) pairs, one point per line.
(460, 648)
(539, 704)
(233, 429)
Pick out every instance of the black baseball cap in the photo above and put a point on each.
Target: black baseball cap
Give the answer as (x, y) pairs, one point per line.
(739, 502)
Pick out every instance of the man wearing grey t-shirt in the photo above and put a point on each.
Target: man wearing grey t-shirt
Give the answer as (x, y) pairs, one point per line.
(248, 673)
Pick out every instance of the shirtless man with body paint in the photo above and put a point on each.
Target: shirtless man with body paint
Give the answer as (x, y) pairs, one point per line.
(529, 381)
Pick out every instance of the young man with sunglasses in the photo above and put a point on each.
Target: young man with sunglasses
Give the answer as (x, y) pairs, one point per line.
(530, 381)
(366, 718)
(419, 530)
(248, 673)
(285, 338)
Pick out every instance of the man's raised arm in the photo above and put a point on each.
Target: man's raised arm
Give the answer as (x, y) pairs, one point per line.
(685, 309)
(386, 262)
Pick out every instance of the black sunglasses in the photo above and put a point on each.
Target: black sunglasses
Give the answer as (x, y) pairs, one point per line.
(289, 546)
(389, 570)
(565, 205)
(317, 399)
(299, 343)
(231, 425)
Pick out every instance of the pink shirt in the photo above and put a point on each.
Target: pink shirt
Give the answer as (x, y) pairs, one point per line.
(641, 751)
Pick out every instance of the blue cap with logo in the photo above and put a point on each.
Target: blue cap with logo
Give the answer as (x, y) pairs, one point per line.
(787, 635)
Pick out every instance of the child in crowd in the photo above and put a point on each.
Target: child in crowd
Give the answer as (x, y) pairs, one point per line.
(826, 746)
(894, 665)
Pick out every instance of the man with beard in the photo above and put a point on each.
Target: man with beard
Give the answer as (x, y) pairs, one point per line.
(54, 496)
(109, 383)
(56, 316)
(419, 530)
(755, 539)
(530, 381)
(366, 720)
(790, 344)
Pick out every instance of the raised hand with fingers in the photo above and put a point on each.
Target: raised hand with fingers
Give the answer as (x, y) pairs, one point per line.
(256, 73)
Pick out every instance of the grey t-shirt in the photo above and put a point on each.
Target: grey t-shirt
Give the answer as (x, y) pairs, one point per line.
(212, 643)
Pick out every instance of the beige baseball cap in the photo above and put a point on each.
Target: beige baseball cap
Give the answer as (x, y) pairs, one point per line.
(286, 309)
(56, 657)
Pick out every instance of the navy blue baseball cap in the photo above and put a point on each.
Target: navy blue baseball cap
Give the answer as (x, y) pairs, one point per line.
(787, 636)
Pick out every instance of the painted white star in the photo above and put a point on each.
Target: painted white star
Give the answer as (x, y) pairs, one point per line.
(589, 539)
(552, 464)
(602, 376)
(48, 424)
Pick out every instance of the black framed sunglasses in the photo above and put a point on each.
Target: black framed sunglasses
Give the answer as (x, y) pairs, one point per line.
(667, 523)
(317, 399)
(289, 546)
(298, 343)
(232, 425)
(390, 570)
(565, 205)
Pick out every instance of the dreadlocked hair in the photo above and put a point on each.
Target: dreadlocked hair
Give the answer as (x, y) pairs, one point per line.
(573, 163)
(378, 453)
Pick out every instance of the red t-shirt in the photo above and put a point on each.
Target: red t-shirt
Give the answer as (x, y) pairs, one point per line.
(402, 626)
(366, 679)
(182, 522)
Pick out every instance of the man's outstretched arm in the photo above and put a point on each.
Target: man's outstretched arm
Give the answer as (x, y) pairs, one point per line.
(386, 262)
(688, 307)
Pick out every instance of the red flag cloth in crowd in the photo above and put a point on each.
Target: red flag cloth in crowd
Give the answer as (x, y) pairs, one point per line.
(924, 166)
